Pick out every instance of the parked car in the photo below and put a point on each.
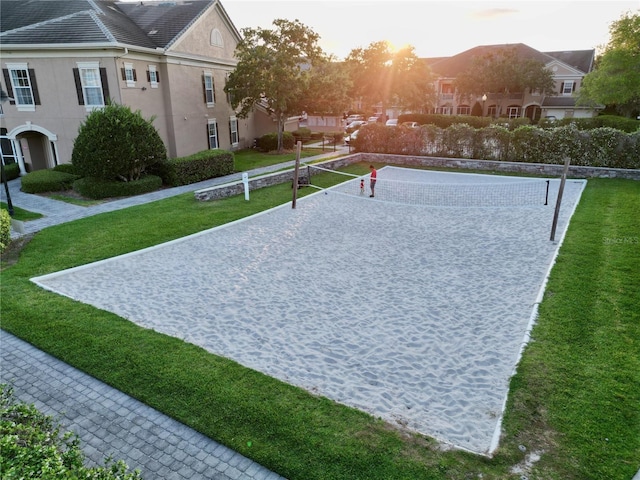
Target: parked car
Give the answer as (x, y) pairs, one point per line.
(410, 124)
(352, 136)
(353, 118)
(355, 125)
(372, 119)
(392, 122)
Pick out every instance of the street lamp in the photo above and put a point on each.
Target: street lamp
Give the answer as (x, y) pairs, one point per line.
(484, 99)
(3, 98)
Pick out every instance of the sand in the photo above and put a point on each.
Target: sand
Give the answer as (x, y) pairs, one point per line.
(414, 314)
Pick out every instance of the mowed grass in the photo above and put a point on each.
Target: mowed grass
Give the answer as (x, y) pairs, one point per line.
(575, 399)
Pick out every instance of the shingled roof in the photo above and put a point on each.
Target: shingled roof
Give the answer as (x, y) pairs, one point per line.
(54, 22)
(451, 67)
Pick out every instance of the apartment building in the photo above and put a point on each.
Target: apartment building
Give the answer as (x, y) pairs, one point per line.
(568, 69)
(61, 59)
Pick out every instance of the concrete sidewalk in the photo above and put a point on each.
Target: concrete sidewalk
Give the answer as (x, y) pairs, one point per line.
(108, 422)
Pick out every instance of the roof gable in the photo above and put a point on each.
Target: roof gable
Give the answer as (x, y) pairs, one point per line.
(451, 67)
(147, 24)
(579, 59)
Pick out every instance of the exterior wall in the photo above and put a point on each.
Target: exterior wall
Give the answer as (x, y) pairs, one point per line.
(59, 111)
(176, 104)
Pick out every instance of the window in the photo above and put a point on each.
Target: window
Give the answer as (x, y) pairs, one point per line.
(233, 131)
(129, 75)
(492, 111)
(229, 94)
(209, 91)
(216, 38)
(21, 85)
(464, 110)
(567, 87)
(514, 112)
(91, 84)
(445, 110)
(212, 133)
(152, 76)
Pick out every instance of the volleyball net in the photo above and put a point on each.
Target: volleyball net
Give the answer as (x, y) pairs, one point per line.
(511, 193)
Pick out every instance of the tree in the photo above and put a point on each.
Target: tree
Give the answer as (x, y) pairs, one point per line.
(115, 143)
(328, 86)
(380, 75)
(615, 80)
(501, 72)
(273, 70)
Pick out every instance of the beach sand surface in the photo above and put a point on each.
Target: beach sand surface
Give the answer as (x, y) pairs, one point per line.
(414, 314)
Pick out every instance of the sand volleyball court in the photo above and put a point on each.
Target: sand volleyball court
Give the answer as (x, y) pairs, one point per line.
(416, 314)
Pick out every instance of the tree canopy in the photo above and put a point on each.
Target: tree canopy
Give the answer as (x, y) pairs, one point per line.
(277, 69)
(381, 75)
(615, 81)
(501, 72)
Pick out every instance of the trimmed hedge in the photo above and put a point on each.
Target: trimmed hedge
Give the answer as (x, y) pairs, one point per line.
(269, 142)
(197, 167)
(42, 181)
(599, 147)
(97, 188)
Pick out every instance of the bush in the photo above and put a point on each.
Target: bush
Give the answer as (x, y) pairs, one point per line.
(269, 142)
(301, 134)
(33, 446)
(97, 188)
(197, 167)
(116, 144)
(11, 171)
(42, 181)
(67, 168)
(5, 230)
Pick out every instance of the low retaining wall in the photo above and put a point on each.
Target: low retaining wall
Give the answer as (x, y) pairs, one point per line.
(237, 188)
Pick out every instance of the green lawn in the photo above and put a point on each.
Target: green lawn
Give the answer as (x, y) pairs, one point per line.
(575, 398)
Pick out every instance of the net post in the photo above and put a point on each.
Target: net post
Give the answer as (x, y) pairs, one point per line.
(560, 192)
(546, 195)
(296, 171)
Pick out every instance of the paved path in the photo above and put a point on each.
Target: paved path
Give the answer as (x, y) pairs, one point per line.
(108, 422)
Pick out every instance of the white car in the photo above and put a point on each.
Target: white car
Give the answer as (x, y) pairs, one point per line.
(353, 118)
(348, 138)
(355, 125)
(392, 122)
(410, 124)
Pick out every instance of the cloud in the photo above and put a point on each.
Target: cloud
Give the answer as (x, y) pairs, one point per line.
(492, 13)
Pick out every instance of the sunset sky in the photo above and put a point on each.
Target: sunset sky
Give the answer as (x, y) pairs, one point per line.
(441, 28)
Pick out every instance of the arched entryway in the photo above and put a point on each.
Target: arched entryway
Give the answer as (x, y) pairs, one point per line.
(533, 112)
(35, 147)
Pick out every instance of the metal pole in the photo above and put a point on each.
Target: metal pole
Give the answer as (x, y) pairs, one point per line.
(295, 174)
(6, 189)
(560, 191)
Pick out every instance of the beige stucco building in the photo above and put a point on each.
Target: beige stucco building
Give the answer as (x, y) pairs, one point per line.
(63, 58)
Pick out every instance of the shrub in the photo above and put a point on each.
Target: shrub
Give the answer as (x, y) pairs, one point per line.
(528, 144)
(11, 171)
(5, 229)
(269, 142)
(115, 143)
(98, 188)
(66, 168)
(197, 167)
(301, 134)
(42, 181)
(33, 446)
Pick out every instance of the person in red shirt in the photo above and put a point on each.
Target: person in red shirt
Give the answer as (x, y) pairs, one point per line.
(372, 183)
